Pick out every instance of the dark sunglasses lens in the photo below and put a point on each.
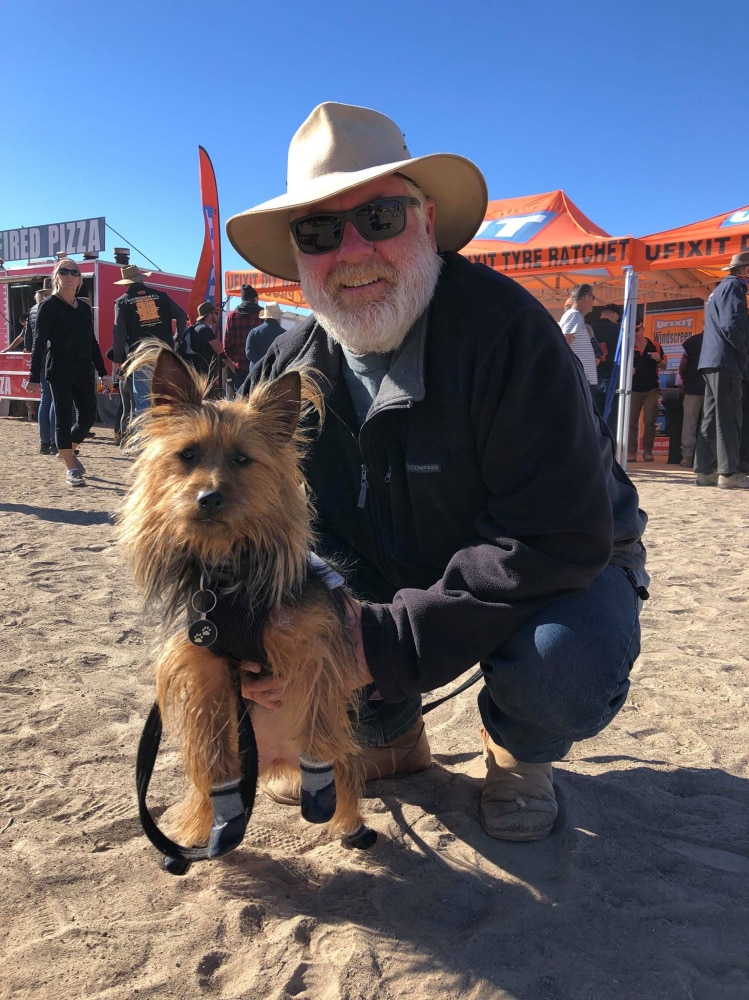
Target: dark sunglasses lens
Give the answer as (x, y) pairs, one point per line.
(69, 270)
(381, 219)
(318, 233)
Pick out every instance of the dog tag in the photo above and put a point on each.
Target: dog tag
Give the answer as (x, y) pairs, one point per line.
(203, 632)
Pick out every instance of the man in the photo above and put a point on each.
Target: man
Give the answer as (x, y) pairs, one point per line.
(260, 339)
(576, 332)
(205, 342)
(724, 361)
(459, 471)
(239, 323)
(693, 384)
(142, 312)
(606, 332)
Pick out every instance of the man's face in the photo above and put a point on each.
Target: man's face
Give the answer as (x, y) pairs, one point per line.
(368, 294)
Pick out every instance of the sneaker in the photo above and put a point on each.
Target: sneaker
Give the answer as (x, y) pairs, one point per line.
(738, 481)
(631, 458)
(648, 457)
(74, 478)
(707, 479)
(518, 802)
(79, 465)
(686, 463)
(409, 754)
(45, 449)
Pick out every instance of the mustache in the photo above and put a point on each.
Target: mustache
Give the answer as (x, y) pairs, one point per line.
(351, 274)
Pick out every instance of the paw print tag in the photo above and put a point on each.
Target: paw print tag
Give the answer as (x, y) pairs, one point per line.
(203, 632)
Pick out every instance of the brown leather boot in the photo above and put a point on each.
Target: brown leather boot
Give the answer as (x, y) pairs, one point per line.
(517, 800)
(409, 754)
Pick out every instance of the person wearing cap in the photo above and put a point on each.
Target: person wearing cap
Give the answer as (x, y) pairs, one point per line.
(724, 361)
(460, 472)
(205, 341)
(606, 332)
(142, 312)
(238, 324)
(261, 337)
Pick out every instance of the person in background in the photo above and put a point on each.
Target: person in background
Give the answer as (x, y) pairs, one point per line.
(724, 361)
(143, 312)
(260, 339)
(66, 347)
(205, 343)
(606, 332)
(46, 411)
(459, 472)
(238, 324)
(693, 383)
(577, 334)
(649, 360)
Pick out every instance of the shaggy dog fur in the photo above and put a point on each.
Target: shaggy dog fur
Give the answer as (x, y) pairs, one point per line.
(255, 532)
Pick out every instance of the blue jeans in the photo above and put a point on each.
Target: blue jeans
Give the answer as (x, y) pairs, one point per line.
(46, 416)
(141, 390)
(562, 677)
(565, 674)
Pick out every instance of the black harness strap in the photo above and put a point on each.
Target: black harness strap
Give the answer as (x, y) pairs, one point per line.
(177, 859)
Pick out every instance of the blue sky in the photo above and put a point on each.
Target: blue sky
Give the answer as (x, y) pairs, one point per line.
(638, 111)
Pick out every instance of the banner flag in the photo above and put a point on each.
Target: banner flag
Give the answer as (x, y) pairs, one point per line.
(207, 286)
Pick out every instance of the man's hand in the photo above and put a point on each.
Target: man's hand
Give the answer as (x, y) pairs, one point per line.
(268, 691)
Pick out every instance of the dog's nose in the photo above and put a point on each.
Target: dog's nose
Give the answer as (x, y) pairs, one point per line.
(211, 501)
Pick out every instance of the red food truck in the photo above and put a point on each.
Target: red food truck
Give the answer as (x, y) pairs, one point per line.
(17, 288)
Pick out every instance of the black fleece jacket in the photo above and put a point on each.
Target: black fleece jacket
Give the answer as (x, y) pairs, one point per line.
(480, 488)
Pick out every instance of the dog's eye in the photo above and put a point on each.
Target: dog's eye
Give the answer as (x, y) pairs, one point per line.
(240, 459)
(189, 455)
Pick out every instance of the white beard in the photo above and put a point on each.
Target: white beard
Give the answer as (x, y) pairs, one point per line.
(377, 327)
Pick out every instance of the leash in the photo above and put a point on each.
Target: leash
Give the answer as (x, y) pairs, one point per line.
(476, 676)
(230, 822)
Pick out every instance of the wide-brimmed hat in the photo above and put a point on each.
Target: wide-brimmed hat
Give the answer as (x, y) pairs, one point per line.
(738, 260)
(132, 273)
(340, 147)
(272, 310)
(204, 308)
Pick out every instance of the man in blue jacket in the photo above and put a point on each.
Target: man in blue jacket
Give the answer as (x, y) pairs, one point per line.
(724, 361)
(460, 471)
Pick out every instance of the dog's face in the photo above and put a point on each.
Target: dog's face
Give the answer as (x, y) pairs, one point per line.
(215, 476)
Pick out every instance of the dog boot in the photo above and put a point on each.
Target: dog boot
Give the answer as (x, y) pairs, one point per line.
(317, 791)
(409, 754)
(517, 800)
(229, 820)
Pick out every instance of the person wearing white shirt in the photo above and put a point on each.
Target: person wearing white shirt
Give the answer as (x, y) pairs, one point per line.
(576, 333)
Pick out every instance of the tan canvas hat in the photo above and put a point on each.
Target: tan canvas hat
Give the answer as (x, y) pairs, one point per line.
(132, 273)
(738, 260)
(272, 310)
(340, 147)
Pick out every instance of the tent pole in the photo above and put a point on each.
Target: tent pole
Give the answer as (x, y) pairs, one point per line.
(626, 362)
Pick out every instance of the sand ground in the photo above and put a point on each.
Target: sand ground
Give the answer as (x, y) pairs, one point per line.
(641, 891)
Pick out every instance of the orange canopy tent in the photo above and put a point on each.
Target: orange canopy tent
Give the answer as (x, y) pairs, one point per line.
(685, 262)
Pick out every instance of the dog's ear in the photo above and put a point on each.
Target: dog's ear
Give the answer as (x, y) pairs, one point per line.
(173, 382)
(285, 396)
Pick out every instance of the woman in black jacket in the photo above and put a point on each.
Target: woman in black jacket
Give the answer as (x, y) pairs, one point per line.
(65, 335)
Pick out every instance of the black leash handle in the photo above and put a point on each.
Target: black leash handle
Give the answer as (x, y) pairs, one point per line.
(177, 859)
(476, 676)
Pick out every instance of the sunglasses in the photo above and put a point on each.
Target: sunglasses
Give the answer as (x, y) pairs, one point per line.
(71, 271)
(377, 220)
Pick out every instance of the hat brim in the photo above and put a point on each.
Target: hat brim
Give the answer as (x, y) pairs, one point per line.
(133, 281)
(261, 235)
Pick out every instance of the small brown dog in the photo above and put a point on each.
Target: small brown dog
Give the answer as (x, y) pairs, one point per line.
(217, 530)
